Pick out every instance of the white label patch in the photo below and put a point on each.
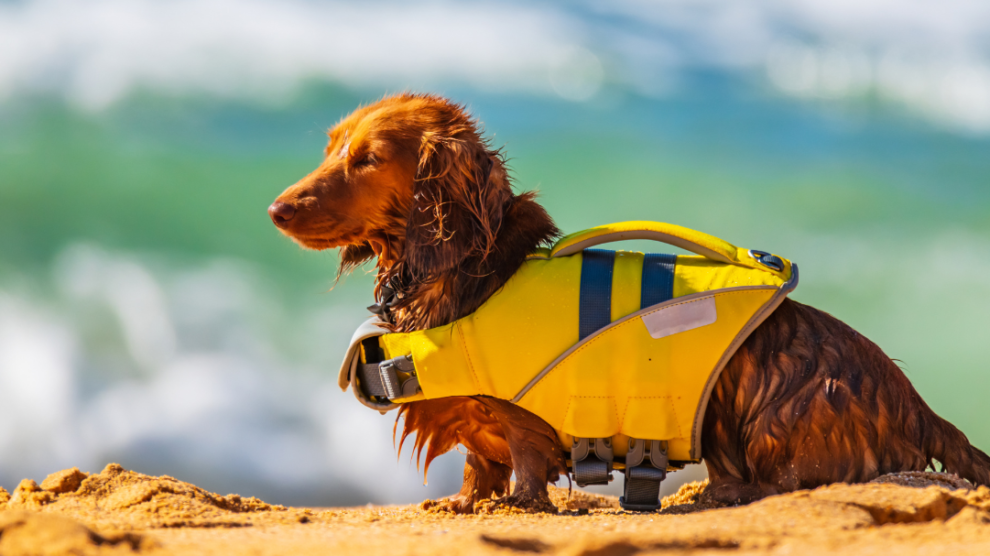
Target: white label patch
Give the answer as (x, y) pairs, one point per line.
(681, 317)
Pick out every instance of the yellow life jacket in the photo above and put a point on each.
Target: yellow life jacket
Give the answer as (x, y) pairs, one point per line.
(600, 344)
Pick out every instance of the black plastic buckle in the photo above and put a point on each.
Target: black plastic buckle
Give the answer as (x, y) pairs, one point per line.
(645, 471)
(591, 461)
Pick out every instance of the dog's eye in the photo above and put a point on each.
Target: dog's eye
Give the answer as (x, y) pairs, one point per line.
(366, 160)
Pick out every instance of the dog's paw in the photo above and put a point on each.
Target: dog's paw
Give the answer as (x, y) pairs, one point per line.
(519, 503)
(455, 504)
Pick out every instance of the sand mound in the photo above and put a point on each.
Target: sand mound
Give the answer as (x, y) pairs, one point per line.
(573, 499)
(34, 534)
(119, 499)
(122, 512)
(687, 494)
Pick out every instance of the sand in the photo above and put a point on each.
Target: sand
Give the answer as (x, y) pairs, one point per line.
(122, 512)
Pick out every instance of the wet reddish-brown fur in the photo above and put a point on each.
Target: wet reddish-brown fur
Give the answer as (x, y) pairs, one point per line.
(806, 401)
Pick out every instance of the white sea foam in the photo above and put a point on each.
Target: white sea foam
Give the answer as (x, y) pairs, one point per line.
(932, 58)
(175, 371)
(97, 51)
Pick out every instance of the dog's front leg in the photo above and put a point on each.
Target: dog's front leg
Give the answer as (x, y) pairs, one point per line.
(483, 479)
(536, 455)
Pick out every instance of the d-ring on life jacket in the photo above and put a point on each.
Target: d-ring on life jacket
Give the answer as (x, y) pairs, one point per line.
(618, 351)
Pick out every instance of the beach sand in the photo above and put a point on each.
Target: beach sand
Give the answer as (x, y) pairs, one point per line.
(122, 512)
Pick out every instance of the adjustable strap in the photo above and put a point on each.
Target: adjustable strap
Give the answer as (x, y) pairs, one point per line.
(641, 492)
(658, 279)
(371, 380)
(591, 461)
(595, 308)
(646, 468)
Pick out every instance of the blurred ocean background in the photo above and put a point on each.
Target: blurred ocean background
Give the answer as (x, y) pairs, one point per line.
(151, 314)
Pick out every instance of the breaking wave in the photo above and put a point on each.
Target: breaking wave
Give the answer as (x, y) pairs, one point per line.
(930, 58)
(180, 372)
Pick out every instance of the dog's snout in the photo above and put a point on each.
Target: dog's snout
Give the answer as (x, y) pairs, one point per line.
(281, 213)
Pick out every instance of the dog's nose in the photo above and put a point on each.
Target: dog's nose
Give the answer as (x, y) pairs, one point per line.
(281, 213)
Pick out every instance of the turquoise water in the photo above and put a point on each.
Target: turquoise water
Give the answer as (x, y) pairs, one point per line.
(151, 314)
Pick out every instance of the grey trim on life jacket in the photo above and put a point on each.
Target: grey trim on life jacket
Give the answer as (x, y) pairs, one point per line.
(754, 322)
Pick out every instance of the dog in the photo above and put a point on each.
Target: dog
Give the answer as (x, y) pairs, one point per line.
(410, 183)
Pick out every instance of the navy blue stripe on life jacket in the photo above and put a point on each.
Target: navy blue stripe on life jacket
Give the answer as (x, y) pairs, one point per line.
(658, 279)
(595, 309)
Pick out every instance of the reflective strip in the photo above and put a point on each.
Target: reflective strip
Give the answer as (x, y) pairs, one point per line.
(681, 317)
(658, 279)
(595, 309)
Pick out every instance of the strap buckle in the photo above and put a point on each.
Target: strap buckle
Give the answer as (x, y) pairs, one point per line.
(591, 461)
(389, 371)
(641, 492)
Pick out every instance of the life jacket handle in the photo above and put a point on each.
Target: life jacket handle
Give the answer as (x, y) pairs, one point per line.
(703, 244)
(678, 236)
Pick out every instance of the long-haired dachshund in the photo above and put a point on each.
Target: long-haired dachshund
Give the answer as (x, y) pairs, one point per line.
(410, 182)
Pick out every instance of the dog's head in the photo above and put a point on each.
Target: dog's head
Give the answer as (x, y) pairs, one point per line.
(407, 178)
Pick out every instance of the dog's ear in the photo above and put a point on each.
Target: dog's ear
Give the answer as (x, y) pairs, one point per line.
(457, 205)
